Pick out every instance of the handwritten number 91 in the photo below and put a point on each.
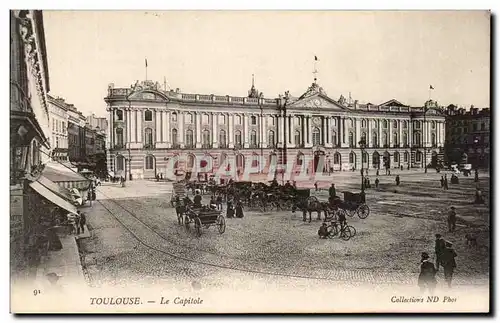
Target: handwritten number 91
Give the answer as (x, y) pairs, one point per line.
(36, 292)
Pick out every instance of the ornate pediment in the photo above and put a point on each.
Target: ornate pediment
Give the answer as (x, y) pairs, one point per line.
(393, 103)
(317, 102)
(148, 96)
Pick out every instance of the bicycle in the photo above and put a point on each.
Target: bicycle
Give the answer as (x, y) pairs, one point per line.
(345, 231)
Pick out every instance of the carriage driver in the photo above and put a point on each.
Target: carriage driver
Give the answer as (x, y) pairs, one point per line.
(197, 199)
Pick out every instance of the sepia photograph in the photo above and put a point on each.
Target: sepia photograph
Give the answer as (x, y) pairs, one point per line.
(189, 161)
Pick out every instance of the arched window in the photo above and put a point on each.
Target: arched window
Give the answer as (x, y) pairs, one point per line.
(352, 158)
(365, 157)
(222, 138)
(149, 162)
(334, 121)
(119, 115)
(119, 136)
(299, 120)
(405, 124)
(384, 124)
(396, 157)
(204, 119)
(300, 156)
(417, 139)
(418, 156)
(189, 138)
(395, 124)
(385, 139)
(188, 118)
(255, 160)
(271, 138)
(240, 161)
(337, 159)
(351, 139)
(297, 138)
(405, 157)
(376, 159)
(174, 137)
(374, 139)
(120, 163)
(191, 161)
(148, 115)
(148, 137)
(363, 123)
(253, 138)
(334, 139)
(433, 139)
(222, 119)
(222, 159)
(363, 137)
(395, 138)
(417, 125)
(237, 137)
(316, 137)
(237, 119)
(206, 137)
(174, 116)
(253, 120)
(405, 139)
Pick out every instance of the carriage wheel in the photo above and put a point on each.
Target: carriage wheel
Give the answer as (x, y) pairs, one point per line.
(186, 222)
(363, 211)
(222, 224)
(333, 232)
(345, 234)
(197, 225)
(352, 230)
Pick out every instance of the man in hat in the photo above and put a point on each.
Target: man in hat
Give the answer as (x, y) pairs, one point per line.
(439, 248)
(452, 219)
(427, 276)
(448, 262)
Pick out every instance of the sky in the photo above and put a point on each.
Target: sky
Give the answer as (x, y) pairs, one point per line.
(375, 55)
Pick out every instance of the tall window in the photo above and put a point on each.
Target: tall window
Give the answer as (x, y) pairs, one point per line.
(375, 159)
(120, 163)
(299, 158)
(433, 139)
(405, 157)
(174, 117)
(352, 158)
(396, 157)
(240, 161)
(237, 137)
(119, 136)
(149, 162)
(206, 137)
(298, 118)
(148, 136)
(119, 115)
(384, 139)
(174, 137)
(417, 125)
(395, 138)
(351, 122)
(374, 139)
(316, 137)
(384, 124)
(237, 119)
(351, 139)
(189, 138)
(363, 138)
(417, 139)
(365, 157)
(297, 138)
(395, 124)
(270, 137)
(433, 124)
(334, 138)
(222, 119)
(148, 115)
(271, 120)
(405, 125)
(188, 118)
(253, 138)
(337, 159)
(418, 156)
(204, 119)
(222, 137)
(253, 120)
(191, 161)
(405, 139)
(363, 123)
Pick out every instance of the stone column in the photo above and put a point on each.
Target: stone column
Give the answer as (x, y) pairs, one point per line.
(133, 122)
(110, 130)
(180, 132)
(357, 137)
(262, 137)
(139, 126)
(400, 141)
(380, 142)
(391, 137)
(410, 134)
(198, 130)
(215, 137)
(309, 131)
(157, 115)
(230, 130)
(329, 132)
(369, 136)
(246, 133)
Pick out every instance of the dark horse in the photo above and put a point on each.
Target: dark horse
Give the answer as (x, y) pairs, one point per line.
(307, 206)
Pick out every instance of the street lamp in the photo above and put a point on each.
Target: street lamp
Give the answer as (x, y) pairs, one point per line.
(129, 165)
(362, 145)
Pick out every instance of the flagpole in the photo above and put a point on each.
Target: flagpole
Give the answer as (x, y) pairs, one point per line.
(146, 61)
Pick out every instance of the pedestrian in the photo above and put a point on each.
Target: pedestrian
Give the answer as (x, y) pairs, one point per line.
(442, 181)
(230, 209)
(377, 172)
(439, 248)
(197, 200)
(239, 209)
(397, 180)
(77, 222)
(316, 186)
(427, 276)
(219, 202)
(83, 221)
(452, 219)
(332, 192)
(376, 182)
(448, 262)
(445, 183)
(401, 167)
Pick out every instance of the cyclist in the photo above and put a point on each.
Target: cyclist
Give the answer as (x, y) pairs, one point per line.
(323, 231)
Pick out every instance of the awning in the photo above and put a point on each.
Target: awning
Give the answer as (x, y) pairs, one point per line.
(65, 177)
(53, 197)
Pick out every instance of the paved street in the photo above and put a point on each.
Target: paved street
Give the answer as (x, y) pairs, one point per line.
(136, 239)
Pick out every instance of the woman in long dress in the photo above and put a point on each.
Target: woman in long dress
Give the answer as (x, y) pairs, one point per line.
(239, 209)
(427, 276)
(230, 209)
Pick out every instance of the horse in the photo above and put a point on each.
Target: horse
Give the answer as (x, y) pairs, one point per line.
(307, 206)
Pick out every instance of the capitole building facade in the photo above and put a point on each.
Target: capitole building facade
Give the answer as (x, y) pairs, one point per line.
(148, 126)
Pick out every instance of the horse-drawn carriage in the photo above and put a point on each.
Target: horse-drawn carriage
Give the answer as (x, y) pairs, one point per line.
(204, 217)
(178, 192)
(353, 203)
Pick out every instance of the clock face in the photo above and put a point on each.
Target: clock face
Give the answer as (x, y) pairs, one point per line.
(316, 120)
(317, 102)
